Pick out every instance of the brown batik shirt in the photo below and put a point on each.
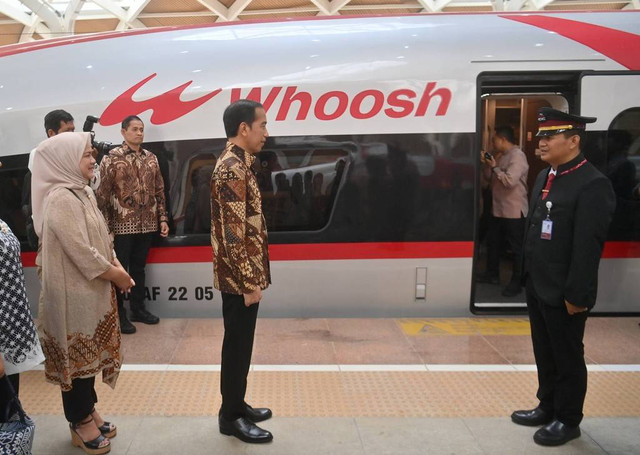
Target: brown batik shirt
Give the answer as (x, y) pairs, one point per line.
(238, 228)
(131, 192)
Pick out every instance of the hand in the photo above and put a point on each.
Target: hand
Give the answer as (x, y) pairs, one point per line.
(164, 229)
(572, 309)
(483, 160)
(254, 297)
(1, 367)
(123, 281)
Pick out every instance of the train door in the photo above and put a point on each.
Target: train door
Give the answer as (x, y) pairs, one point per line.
(613, 145)
(512, 101)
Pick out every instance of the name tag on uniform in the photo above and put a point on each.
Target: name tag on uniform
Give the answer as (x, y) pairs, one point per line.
(547, 228)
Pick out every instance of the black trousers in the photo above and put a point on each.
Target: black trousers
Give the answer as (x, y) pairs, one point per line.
(239, 329)
(557, 345)
(14, 379)
(80, 401)
(512, 230)
(132, 251)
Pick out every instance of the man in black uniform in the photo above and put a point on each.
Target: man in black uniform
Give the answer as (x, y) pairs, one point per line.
(571, 206)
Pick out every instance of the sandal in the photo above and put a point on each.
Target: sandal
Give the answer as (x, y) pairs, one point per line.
(96, 446)
(108, 429)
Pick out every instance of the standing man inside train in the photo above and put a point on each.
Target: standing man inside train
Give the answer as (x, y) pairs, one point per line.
(571, 207)
(240, 262)
(131, 198)
(508, 176)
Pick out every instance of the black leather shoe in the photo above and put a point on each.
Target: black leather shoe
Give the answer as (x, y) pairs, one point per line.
(125, 324)
(556, 434)
(244, 430)
(487, 278)
(532, 418)
(256, 415)
(512, 289)
(144, 316)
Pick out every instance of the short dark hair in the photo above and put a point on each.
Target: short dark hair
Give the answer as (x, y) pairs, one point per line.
(582, 134)
(238, 112)
(128, 120)
(506, 132)
(53, 120)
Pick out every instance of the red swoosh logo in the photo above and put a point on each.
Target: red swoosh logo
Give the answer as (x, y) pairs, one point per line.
(623, 47)
(166, 107)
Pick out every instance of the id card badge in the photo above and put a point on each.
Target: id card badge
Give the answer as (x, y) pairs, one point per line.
(547, 228)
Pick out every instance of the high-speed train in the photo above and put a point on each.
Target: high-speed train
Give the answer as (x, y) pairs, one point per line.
(371, 178)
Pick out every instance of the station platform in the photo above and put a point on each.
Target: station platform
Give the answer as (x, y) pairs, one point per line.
(353, 386)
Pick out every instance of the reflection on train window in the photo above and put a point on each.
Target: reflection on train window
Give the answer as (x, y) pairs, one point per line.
(299, 186)
(342, 188)
(298, 180)
(623, 169)
(11, 211)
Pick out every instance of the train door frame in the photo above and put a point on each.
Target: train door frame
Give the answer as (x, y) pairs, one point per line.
(523, 84)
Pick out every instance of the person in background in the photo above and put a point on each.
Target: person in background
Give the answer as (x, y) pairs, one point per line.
(132, 198)
(507, 173)
(79, 321)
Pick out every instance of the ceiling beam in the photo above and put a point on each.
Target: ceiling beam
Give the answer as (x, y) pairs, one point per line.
(46, 13)
(119, 13)
(235, 9)
(71, 14)
(216, 7)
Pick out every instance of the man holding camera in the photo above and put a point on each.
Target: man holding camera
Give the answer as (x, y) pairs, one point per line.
(507, 173)
(131, 197)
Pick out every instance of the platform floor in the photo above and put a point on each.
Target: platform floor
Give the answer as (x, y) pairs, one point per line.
(362, 386)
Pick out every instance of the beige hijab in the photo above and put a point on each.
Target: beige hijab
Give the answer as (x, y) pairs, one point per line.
(56, 165)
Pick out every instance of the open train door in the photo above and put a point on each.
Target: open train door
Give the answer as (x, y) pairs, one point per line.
(613, 145)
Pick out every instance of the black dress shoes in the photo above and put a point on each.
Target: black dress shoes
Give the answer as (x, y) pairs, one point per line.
(142, 315)
(125, 324)
(256, 415)
(244, 430)
(556, 434)
(532, 418)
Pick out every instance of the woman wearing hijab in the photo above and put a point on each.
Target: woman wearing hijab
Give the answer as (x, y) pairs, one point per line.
(79, 321)
(19, 345)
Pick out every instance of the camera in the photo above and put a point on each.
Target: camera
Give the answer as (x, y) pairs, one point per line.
(103, 148)
(487, 156)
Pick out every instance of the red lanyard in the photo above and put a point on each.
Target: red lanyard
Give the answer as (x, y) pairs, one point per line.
(577, 166)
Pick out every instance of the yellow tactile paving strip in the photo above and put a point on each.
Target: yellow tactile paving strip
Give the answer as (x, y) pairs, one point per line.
(338, 394)
(465, 326)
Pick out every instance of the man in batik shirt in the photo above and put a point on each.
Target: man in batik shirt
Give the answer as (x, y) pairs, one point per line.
(240, 262)
(131, 198)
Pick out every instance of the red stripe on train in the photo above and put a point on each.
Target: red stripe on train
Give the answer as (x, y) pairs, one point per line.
(337, 251)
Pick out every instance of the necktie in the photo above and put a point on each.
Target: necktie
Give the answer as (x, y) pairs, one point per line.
(547, 187)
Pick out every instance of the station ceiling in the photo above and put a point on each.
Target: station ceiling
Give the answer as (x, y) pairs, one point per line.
(28, 20)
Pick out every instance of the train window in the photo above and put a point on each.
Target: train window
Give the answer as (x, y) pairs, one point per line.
(298, 179)
(12, 173)
(623, 169)
(299, 186)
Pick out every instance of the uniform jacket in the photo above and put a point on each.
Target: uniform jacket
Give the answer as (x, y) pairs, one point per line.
(566, 267)
(238, 228)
